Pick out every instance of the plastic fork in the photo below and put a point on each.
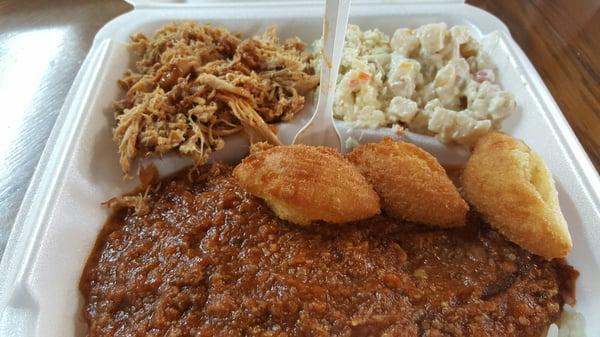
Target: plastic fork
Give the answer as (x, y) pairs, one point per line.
(320, 129)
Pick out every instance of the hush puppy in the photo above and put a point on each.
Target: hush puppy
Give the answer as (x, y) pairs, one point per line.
(412, 184)
(302, 184)
(510, 185)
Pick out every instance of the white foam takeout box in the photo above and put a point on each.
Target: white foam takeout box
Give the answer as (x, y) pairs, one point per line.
(61, 214)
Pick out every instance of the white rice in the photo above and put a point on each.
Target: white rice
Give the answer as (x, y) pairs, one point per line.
(570, 324)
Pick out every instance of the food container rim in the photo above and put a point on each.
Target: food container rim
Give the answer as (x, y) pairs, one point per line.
(202, 3)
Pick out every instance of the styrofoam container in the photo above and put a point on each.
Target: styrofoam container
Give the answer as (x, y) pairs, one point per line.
(61, 214)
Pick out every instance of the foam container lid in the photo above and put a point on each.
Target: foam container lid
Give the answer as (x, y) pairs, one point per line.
(61, 214)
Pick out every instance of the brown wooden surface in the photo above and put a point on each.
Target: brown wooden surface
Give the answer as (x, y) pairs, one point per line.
(562, 39)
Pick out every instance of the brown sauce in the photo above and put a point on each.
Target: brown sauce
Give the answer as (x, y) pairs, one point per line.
(208, 259)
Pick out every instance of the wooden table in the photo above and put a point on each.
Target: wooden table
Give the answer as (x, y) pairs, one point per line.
(562, 40)
(42, 45)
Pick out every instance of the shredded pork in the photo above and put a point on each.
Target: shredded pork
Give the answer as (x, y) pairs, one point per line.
(195, 84)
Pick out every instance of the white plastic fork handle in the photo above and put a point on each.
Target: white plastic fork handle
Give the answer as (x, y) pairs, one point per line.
(334, 33)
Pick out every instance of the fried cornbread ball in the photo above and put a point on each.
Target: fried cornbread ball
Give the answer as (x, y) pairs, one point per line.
(303, 184)
(412, 184)
(511, 186)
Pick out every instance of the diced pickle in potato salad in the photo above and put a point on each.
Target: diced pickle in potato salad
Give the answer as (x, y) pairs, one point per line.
(431, 80)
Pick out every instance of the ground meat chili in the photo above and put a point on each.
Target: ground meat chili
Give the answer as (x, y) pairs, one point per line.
(208, 259)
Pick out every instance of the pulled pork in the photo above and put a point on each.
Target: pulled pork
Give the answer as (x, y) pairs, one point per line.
(195, 84)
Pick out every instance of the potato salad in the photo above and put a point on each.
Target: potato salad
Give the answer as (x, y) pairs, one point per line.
(431, 80)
